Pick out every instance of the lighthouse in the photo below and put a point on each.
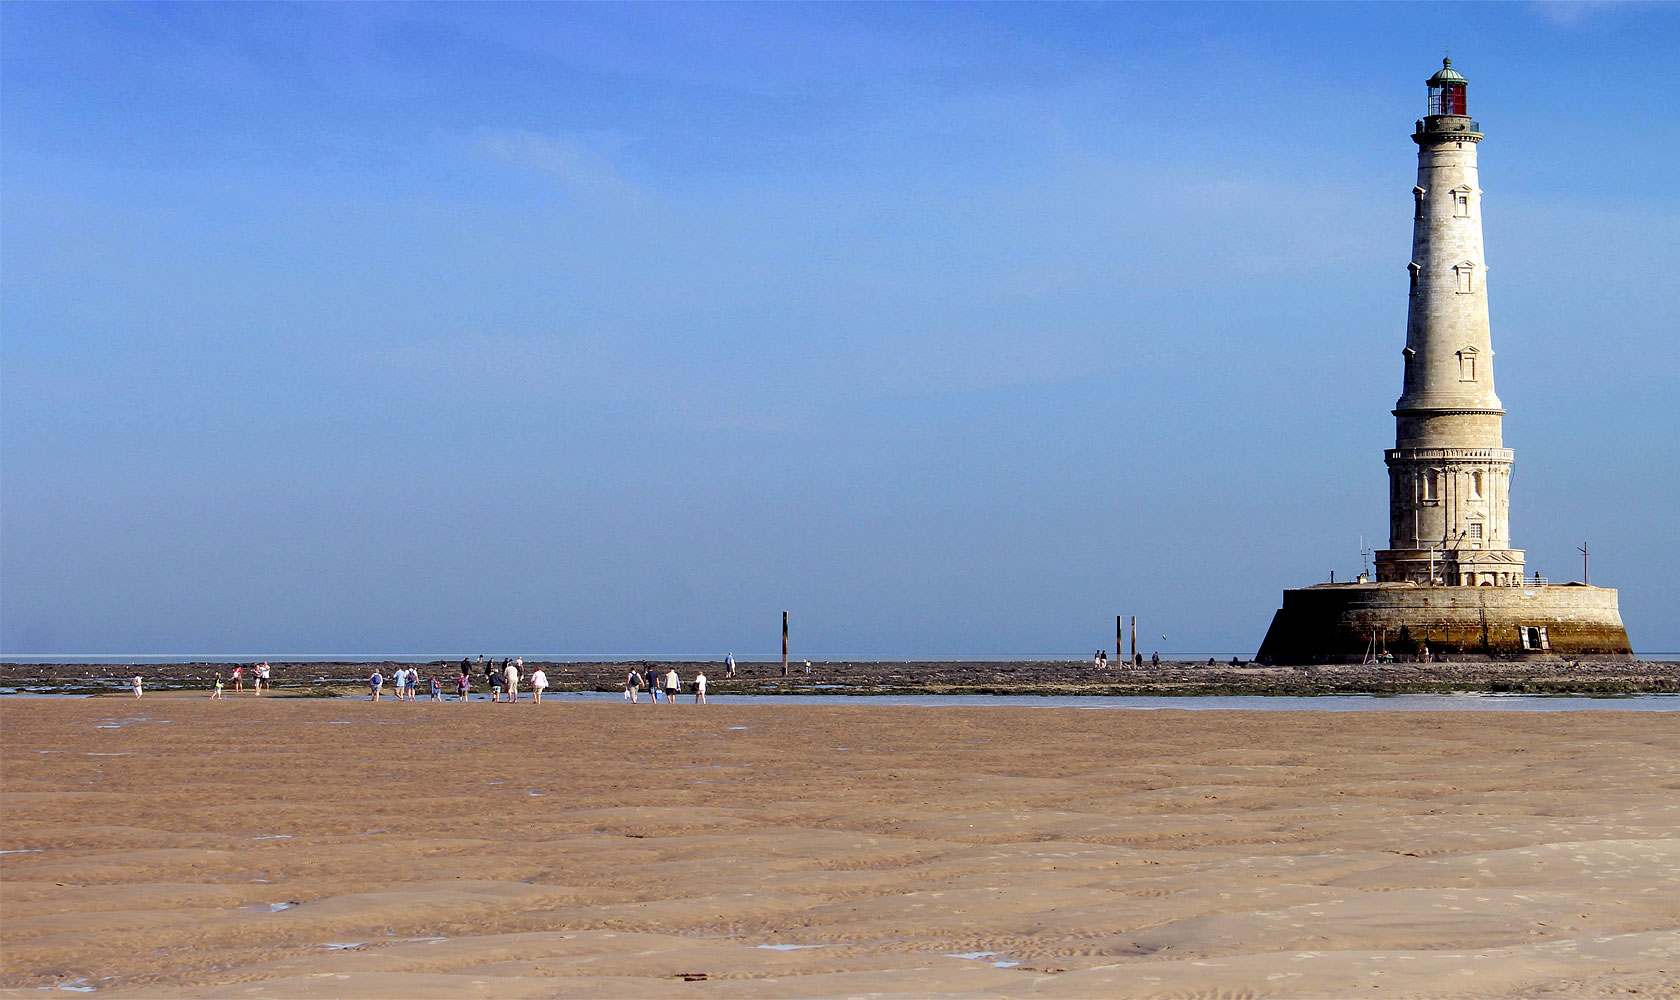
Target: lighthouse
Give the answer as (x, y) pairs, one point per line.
(1449, 584)
(1449, 473)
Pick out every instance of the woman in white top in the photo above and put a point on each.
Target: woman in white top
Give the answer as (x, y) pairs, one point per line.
(510, 680)
(539, 681)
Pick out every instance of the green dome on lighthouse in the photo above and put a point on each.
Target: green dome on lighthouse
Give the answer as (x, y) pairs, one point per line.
(1446, 74)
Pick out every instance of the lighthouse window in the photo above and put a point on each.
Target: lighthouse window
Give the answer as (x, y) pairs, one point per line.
(1432, 485)
(1475, 529)
(1465, 272)
(1467, 364)
(1417, 203)
(1413, 269)
(1476, 494)
(1461, 203)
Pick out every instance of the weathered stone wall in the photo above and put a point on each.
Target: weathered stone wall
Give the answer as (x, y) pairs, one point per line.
(1333, 623)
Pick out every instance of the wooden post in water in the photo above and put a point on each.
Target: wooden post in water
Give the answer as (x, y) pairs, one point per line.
(1118, 631)
(1134, 639)
(784, 643)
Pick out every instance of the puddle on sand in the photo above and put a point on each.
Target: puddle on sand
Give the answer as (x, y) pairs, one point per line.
(343, 945)
(973, 956)
(275, 836)
(791, 947)
(114, 753)
(24, 850)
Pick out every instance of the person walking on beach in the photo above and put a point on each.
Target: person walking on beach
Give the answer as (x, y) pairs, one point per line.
(539, 683)
(413, 684)
(1155, 658)
(238, 677)
(510, 677)
(216, 692)
(673, 686)
(463, 684)
(262, 677)
(699, 688)
(632, 682)
(496, 678)
(136, 685)
(399, 681)
(729, 665)
(375, 683)
(437, 689)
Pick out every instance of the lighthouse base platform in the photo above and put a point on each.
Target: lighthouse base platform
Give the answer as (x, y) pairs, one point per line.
(1356, 622)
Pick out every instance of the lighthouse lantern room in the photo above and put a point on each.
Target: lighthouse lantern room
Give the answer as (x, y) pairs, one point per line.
(1446, 91)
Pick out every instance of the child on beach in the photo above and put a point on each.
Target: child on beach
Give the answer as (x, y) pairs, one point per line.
(462, 685)
(437, 689)
(217, 693)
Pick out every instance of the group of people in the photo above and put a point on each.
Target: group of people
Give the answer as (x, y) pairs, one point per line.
(503, 677)
(405, 685)
(664, 687)
(1099, 661)
(259, 680)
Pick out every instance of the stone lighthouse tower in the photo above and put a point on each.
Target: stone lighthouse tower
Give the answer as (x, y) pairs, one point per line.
(1449, 584)
(1449, 473)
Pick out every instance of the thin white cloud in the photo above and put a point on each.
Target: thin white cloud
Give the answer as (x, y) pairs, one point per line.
(1573, 13)
(581, 165)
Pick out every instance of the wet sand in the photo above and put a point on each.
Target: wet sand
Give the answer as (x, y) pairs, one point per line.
(335, 848)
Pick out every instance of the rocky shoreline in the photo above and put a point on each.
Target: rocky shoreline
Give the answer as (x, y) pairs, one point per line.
(1032, 677)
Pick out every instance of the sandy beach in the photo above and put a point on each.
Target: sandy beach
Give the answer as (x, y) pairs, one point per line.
(177, 846)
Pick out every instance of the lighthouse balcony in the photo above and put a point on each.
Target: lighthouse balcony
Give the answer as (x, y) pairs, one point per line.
(1392, 455)
(1446, 566)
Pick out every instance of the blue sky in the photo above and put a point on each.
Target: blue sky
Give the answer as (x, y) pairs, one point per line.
(949, 329)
